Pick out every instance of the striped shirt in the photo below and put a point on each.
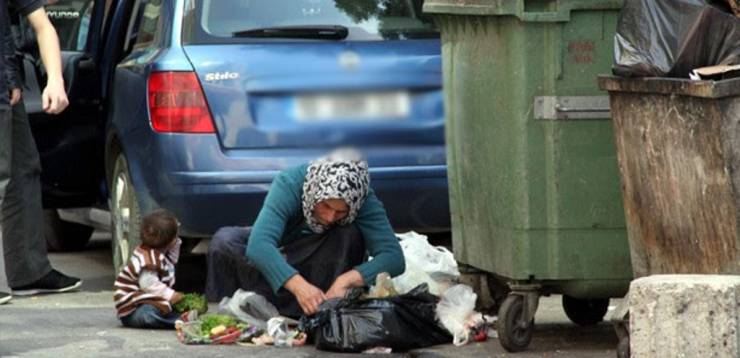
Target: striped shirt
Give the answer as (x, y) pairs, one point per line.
(128, 292)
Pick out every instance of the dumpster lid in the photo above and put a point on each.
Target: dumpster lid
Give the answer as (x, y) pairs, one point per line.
(679, 86)
(559, 11)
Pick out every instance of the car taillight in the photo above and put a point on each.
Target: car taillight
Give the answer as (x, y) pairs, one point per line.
(177, 103)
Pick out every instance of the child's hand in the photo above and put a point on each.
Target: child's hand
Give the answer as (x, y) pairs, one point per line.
(173, 244)
(176, 297)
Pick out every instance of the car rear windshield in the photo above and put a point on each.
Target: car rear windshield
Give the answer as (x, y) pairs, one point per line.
(224, 21)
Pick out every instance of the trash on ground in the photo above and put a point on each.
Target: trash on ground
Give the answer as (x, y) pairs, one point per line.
(353, 324)
(378, 350)
(227, 329)
(435, 266)
(455, 307)
(249, 307)
(210, 329)
(284, 333)
(672, 38)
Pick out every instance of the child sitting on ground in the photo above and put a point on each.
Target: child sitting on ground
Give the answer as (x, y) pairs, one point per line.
(143, 289)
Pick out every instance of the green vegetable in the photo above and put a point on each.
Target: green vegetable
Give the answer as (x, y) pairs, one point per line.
(208, 321)
(192, 301)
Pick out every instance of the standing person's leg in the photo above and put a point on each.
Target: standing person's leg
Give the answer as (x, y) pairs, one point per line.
(6, 142)
(27, 265)
(148, 316)
(25, 251)
(6, 128)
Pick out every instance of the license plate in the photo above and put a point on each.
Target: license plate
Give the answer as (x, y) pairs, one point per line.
(352, 106)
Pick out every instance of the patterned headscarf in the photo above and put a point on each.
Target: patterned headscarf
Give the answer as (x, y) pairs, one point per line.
(342, 175)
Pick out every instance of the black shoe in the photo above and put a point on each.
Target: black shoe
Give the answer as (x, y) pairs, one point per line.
(53, 282)
(4, 298)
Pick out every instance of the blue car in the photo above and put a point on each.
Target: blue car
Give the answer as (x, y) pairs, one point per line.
(195, 106)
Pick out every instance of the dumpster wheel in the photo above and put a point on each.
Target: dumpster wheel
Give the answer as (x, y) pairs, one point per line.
(514, 331)
(585, 312)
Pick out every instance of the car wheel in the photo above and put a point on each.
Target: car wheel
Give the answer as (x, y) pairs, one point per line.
(125, 212)
(63, 235)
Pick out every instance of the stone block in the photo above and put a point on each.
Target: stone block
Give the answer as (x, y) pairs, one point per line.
(685, 316)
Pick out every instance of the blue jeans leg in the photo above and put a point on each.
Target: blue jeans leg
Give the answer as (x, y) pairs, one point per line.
(148, 316)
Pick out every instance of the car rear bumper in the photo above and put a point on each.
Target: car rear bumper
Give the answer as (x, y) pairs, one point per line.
(415, 198)
(208, 188)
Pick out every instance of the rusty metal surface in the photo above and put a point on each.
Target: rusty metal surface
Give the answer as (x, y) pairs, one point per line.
(678, 145)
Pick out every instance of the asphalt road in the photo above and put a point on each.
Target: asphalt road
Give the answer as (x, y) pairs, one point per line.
(83, 324)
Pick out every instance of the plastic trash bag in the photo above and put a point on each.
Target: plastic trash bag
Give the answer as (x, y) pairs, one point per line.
(433, 265)
(671, 38)
(354, 325)
(249, 307)
(455, 307)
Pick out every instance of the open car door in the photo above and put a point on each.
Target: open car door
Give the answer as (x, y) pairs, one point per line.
(70, 144)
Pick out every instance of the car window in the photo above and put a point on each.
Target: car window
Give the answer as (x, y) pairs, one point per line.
(149, 23)
(143, 25)
(219, 20)
(71, 19)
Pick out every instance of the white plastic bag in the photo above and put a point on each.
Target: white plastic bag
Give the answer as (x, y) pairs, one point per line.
(435, 266)
(454, 310)
(248, 307)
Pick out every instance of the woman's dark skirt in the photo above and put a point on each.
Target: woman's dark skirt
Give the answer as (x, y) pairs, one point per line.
(319, 258)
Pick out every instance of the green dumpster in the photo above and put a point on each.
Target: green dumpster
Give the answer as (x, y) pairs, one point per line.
(533, 177)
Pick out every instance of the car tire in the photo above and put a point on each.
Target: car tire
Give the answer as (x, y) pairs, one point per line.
(63, 235)
(125, 213)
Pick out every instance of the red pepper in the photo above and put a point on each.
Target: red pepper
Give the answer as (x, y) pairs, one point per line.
(480, 335)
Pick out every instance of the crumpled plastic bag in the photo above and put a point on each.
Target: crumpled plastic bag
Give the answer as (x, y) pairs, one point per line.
(190, 333)
(383, 287)
(249, 307)
(671, 38)
(400, 323)
(455, 307)
(280, 329)
(433, 265)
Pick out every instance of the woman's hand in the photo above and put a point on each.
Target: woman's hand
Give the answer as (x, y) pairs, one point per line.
(337, 290)
(343, 283)
(309, 296)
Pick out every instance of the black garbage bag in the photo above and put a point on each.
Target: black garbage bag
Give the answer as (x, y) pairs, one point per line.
(401, 322)
(670, 38)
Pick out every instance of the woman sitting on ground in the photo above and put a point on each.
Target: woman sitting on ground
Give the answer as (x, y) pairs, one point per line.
(310, 241)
